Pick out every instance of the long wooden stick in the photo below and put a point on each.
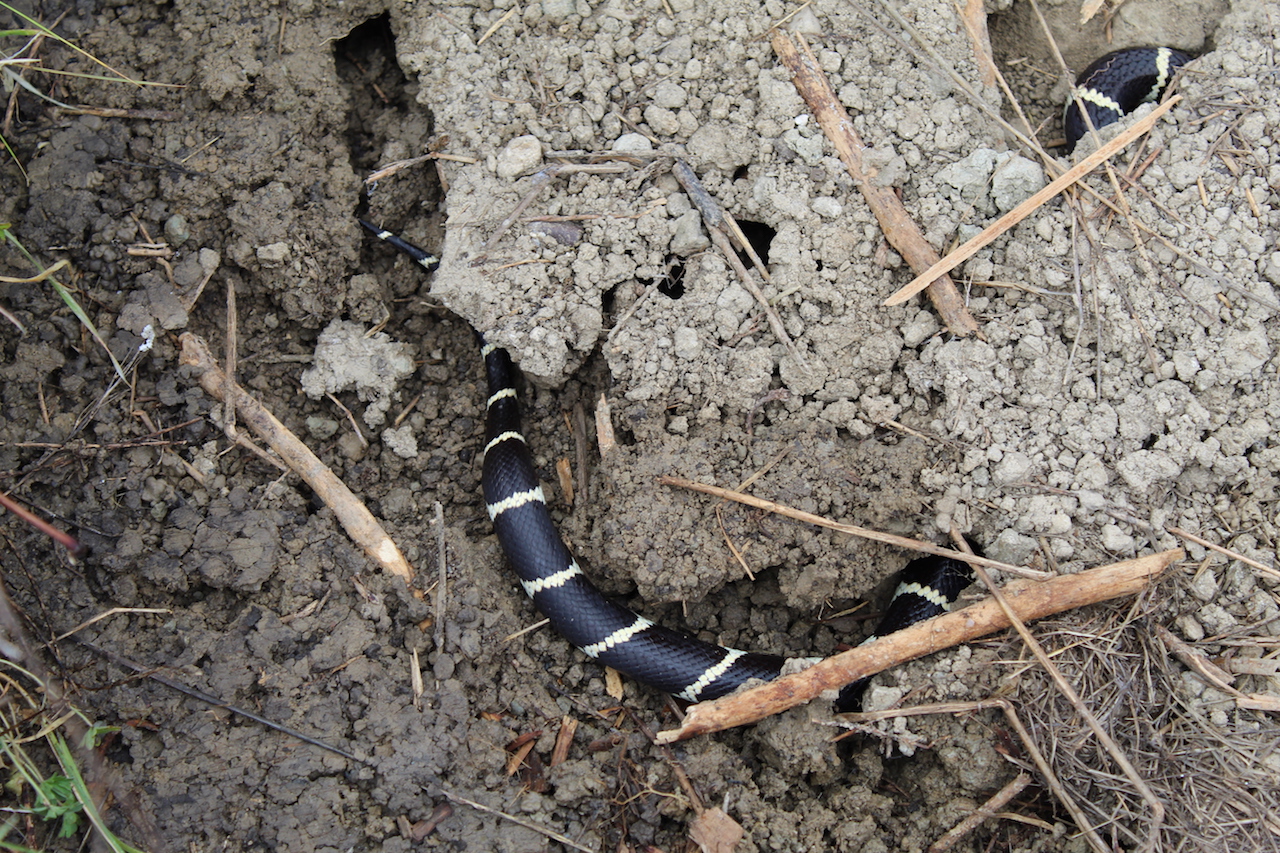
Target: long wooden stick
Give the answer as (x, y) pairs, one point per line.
(1013, 217)
(899, 228)
(350, 511)
(1029, 599)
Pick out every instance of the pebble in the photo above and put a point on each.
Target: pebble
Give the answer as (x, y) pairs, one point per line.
(1014, 181)
(176, 230)
(634, 142)
(519, 156)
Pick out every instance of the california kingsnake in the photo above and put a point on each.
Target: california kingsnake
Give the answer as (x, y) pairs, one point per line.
(1117, 84)
(615, 635)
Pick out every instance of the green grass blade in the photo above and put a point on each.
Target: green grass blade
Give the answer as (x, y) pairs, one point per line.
(45, 31)
(69, 767)
(22, 81)
(70, 301)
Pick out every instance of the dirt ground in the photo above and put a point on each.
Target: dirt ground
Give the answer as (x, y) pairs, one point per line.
(1126, 381)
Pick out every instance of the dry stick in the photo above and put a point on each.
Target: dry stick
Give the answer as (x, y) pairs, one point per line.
(519, 821)
(1215, 675)
(981, 814)
(1029, 600)
(973, 15)
(233, 346)
(898, 227)
(1013, 217)
(442, 594)
(540, 181)
(1235, 555)
(715, 216)
(852, 529)
(1152, 831)
(718, 223)
(351, 513)
(76, 549)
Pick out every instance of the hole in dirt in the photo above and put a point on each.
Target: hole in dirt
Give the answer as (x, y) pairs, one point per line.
(368, 54)
(384, 114)
(672, 285)
(365, 60)
(760, 236)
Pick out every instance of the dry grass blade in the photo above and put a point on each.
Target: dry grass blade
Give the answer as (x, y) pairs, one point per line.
(1210, 764)
(519, 821)
(1069, 693)
(1022, 211)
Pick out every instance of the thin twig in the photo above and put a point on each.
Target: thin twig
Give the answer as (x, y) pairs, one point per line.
(114, 611)
(982, 813)
(851, 529)
(720, 225)
(519, 821)
(442, 587)
(989, 234)
(1235, 555)
(233, 346)
(149, 672)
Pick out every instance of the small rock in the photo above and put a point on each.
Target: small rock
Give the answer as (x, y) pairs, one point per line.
(1013, 468)
(273, 255)
(687, 343)
(321, 429)
(176, 230)
(669, 96)
(689, 236)
(1016, 180)
(402, 441)
(1116, 540)
(520, 156)
(637, 142)
(826, 207)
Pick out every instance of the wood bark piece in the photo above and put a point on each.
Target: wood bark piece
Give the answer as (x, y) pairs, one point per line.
(898, 227)
(350, 511)
(1029, 599)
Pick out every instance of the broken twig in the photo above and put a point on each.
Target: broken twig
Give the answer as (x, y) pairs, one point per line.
(350, 511)
(1030, 600)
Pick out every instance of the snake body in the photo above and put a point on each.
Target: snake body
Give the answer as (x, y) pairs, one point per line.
(1117, 84)
(615, 635)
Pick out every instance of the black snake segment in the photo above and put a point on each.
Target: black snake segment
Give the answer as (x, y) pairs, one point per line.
(619, 637)
(603, 629)
(1117, 84)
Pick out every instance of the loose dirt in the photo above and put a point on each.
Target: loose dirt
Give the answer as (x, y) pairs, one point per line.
(1125, 382)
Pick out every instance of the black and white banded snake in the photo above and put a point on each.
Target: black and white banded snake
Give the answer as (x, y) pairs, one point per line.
(600, 627)
(1117, 84)
(613, 634)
